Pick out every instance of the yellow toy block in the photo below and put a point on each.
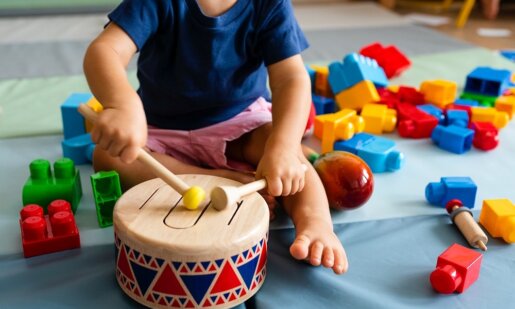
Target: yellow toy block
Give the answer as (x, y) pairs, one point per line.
(379, 118)
(506, 104)
(439, 92)
(337, 126)
(490, 114)
(393, 88)
(357, 96)
(322, 86)
(498, 218)
(97, 107)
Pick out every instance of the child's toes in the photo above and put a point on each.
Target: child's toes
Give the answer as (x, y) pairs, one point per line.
(300, 247)
(315, 253)
(328, 257)
(340, 262)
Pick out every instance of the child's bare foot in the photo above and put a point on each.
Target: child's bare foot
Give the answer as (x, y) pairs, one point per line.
(316, 242)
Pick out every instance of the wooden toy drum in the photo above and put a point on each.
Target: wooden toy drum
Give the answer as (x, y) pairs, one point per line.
(169, 256)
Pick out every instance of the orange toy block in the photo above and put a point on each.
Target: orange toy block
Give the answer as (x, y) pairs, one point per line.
(97, 107)
(489, 114)
(439, 92)
(506, 104)
(498, 218)
(357, 96)
(337, 126)
(322, 86)
(379, 118)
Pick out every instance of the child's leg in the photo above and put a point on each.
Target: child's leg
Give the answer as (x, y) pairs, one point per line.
(490, 8)
(135, 173)
(309, 209)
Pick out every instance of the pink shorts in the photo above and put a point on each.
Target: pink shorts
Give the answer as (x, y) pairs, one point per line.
(206, 146)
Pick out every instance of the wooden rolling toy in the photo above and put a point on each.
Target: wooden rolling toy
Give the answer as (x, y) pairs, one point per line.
(462, 217)
(171, 257)
(192, 196)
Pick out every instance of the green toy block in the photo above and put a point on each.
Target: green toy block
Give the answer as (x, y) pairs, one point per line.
(106, 191)
(484, 100)
(43, 187)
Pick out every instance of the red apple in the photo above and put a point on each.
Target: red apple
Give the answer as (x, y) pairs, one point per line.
(347, 179)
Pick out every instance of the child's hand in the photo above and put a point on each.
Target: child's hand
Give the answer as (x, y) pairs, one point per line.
(121, 131)
(282, 166)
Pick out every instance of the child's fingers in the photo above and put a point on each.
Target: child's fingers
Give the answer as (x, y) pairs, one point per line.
(275, 186)
(129, 154)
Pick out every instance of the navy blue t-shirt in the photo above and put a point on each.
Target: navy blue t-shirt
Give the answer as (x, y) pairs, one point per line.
(196, 70)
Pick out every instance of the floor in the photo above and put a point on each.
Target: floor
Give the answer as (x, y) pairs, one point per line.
(469, 33)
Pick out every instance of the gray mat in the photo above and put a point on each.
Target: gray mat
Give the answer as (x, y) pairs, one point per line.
(331, 44)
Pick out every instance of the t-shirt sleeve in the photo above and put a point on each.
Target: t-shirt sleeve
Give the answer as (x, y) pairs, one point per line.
(138, 18)
(280, 34)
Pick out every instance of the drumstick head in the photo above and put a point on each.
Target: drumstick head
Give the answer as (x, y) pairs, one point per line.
(193, 197)
(223, 196)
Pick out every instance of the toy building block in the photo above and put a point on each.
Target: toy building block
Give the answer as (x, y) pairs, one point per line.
(483, 100)
(434, 111)
(357, 96)
(391, 59)
(379, 118)
(490, 114)
(487, 81)
(79, 149)
(323, 105)
(410, 95)
(73, 122)
(95, 106)
(439, 92)
(457, 117)
(322, 86)
(354, 69)
(378, 152)
(464, 220)
(498, 218)
(414, 123)
(453, 138)
(466, 102)
(508, 54)
(506, 104)
(450, 188)
(388, 97)
(42, 187)
(106, 191)
(341, 125)
(486, 135)
(457, 268)
(43, 234)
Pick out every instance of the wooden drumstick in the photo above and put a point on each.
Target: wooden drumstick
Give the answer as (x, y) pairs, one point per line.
(462, 217)
(192, 196)
(224, 196)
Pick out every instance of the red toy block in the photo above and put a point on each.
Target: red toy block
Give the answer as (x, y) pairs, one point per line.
(456, 269)
(413, 122)
(410, 95)
(388, 97)
(391, 59)
(486, 135)
(42, 234)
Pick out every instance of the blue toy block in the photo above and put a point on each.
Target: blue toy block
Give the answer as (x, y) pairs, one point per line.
(458, 118)
(323, 105)
(508, 54)
(312, 75)
(354, 69)
(79, 149)
(461, 188)
(434, 111)
(453, 138)
(73, 122)
(378, 152)
(466, 102)
(488, 81)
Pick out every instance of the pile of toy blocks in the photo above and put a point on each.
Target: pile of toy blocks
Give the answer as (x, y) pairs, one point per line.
(355, 104)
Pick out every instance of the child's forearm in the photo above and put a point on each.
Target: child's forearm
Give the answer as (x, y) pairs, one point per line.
(291, 99)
